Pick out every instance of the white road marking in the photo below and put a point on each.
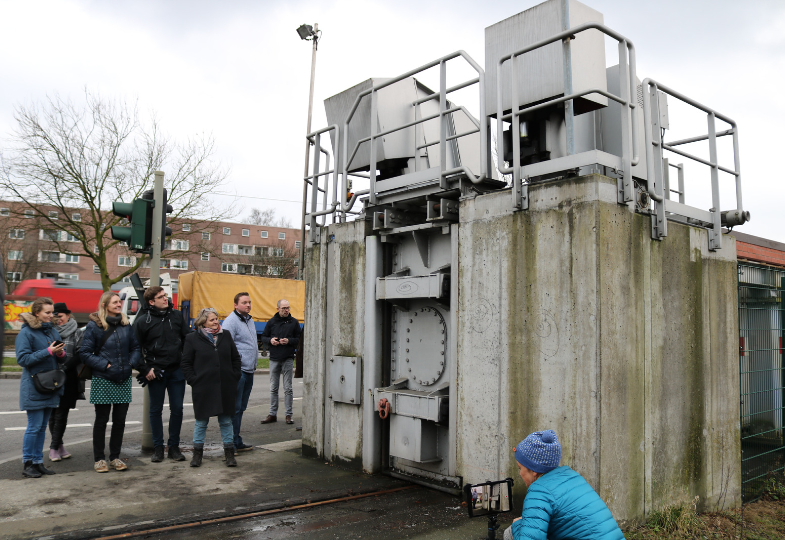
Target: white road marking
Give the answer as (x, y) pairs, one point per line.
(22, 412)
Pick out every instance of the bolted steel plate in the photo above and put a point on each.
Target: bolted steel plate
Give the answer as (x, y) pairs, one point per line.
(420, 345)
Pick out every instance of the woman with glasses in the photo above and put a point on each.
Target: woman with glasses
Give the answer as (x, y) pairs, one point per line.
(110, 348)
(211, 365)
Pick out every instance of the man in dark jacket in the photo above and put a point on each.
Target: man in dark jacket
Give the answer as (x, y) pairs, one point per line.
(161, 333)
(282, 334)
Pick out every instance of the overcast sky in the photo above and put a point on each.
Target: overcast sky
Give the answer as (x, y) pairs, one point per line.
(238, 70)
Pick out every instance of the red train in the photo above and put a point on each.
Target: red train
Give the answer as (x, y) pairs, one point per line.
(80, 296)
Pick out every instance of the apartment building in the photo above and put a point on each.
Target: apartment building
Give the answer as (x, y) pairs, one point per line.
(32, 248)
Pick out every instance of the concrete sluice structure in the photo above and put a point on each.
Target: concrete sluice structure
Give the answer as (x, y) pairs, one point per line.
(458, 312)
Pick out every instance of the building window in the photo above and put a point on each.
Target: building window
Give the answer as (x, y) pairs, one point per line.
(19, 234)
(53, 215)
(178, 245)
(227, 267)
(49, 256)
(227, 231)
(28, 214)
(14, 255)
(51, 235)
(186, 227)
(245, 250)
(5, 212)
(69, 276)
(70, 238)
(76, 217)
(205, 256)
(95, 249)
(246, 232)
(165, 264)
(145, 263)
(274, 271)
(297, 244)
(229, 248)
(179, 265)
(96, 269)
(13, 276)
(71, 258)
(281, 236)
(264, 234)
(126, 261)
(245, 269)
(261, 251)
(205, 236)
(276, 252)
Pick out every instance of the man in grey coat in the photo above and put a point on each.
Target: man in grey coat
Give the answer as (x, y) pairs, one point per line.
(240, 325)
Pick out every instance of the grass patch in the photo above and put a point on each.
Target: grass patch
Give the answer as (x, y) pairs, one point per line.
(9, 361)
(763, 519)
(263, 363)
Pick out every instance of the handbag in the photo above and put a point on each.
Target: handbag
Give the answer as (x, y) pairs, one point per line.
(48, 382)
(84, 371)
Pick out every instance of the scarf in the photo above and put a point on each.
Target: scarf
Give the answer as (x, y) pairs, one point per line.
(211, 333)
(68, 329)
(114, 320)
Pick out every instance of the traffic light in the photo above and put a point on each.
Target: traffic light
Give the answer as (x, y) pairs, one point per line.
(166, 209)
(140, 216)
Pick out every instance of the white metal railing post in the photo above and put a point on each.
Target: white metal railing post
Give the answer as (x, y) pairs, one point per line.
(442, 123)
(515, 135)
(625, 189)
(372, 164)
(715, 234)
(659, 223)
(569, 113)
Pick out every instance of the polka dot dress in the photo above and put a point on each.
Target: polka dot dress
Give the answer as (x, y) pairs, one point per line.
(106, 392)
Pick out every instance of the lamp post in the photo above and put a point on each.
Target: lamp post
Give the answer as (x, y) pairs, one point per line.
(307, 33)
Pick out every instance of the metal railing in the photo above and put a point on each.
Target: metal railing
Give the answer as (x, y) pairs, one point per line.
(627, 88)
(654, 162)
(762, 374)
(313, 180)
(444, 112)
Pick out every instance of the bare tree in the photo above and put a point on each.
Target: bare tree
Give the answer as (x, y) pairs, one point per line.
(267, 217)
(71, 159)
(277, 260)
(19, 250)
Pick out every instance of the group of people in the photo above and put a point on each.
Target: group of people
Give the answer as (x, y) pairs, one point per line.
(218, 362)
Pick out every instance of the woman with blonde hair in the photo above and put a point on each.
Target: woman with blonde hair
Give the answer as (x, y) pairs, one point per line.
(110, 348)
(211, 365)
(38, 346)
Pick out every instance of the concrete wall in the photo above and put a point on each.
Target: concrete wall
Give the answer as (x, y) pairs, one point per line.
(625, 346)
(335, 304)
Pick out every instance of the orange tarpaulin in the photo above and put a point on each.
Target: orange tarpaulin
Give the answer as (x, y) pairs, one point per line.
(210, 289)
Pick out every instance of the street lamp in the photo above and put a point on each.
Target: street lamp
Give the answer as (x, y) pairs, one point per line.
(307, 33)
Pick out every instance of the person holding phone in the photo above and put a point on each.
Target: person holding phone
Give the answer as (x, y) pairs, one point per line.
(38, 346)
(282, 334)
(559, 503)
(110, 348)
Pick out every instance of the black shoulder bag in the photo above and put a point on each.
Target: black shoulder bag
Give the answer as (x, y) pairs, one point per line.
(86, 372)
(49, 382)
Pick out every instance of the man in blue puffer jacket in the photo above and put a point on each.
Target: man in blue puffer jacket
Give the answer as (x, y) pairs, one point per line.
(559, 503)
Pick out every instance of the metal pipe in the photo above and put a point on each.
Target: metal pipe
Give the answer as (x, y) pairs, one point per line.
(699, 138)
(699, 160)
(435, 95)
(450, 138)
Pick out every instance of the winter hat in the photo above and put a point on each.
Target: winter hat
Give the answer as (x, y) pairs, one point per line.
(540, 451)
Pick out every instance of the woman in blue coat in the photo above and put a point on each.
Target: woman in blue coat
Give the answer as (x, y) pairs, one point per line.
(559, 503)
(36, 352)
(110, 348)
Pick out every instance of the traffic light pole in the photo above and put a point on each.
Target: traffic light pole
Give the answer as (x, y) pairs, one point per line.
(155, 270)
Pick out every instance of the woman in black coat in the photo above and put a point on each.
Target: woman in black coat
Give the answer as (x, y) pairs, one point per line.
(211, 365)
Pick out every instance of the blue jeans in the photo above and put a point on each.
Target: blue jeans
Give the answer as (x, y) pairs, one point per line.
(276, 368)
(244, 386)
(35, 434)
(172, 382)
(224, 422)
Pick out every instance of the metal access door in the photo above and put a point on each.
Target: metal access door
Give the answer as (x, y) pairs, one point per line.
(762, 365)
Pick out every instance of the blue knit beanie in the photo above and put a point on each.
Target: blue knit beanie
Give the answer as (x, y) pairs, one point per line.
(540, 451)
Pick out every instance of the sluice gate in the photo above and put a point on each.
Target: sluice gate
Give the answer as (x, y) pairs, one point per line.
(525, 261)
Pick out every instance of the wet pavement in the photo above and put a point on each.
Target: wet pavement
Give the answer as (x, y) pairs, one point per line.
(79, 503)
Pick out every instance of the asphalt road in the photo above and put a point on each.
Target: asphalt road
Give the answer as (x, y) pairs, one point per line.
(80, 421)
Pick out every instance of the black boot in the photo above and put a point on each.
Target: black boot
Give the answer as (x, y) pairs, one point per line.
(30, 470)
(175, 454)
(229, 455)
(42, 469)
(196, 461)
(158, 454)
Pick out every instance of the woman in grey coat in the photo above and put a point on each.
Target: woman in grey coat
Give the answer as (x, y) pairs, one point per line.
(37, 350)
